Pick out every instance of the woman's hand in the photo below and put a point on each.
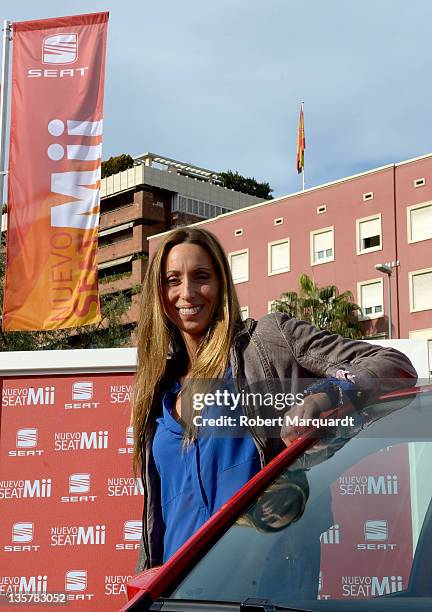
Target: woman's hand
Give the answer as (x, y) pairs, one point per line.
(312, 407)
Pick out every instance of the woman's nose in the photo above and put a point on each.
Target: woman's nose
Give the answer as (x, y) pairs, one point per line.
(187, 289)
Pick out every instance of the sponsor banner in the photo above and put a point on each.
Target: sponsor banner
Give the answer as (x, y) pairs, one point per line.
(71, 505)
(54, 174)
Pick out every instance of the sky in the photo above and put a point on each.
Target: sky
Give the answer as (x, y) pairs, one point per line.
(219, 84)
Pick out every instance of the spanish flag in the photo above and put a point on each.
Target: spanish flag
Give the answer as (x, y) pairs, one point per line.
(301, 145)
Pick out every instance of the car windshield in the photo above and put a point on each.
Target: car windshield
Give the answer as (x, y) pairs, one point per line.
(350, 520)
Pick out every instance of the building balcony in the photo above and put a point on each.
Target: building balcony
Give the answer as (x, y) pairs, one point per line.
(145, 205)
(128, 242)
(126, 280)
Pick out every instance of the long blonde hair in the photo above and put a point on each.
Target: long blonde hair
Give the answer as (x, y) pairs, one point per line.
(156, 332)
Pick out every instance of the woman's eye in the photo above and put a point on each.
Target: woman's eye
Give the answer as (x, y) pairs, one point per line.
(172, 281)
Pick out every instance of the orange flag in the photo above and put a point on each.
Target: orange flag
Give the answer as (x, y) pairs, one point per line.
(54, 173)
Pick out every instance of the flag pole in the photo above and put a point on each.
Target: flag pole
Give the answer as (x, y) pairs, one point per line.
(303, 169)
(3, 104)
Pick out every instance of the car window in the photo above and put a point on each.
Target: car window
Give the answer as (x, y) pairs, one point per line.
(344, 522)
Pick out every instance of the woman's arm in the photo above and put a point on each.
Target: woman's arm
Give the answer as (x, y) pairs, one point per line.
(373, 369)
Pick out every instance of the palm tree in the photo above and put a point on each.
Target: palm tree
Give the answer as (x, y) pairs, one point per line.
(324, 307)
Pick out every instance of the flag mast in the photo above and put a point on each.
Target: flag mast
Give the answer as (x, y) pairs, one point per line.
(3, 103)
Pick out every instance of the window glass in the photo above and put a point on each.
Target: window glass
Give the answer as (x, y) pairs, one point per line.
(322, 246)
(370, 234)
(244, 310)
(371, 298)
(422, 290)
(349, 520)
(421, 223)
(239, 266)
(279, 257)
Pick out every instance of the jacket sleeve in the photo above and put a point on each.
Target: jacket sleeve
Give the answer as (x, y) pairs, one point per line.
(141, 563)
(375, 370)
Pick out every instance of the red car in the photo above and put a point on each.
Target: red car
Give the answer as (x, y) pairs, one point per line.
(340, 520)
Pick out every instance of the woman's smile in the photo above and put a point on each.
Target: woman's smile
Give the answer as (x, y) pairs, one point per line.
(190, 310)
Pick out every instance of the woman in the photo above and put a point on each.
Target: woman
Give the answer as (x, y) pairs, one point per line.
(190, 328)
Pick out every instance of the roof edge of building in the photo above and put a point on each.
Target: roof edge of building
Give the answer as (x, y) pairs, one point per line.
(299, 193)
(285, 197)
(413, 159)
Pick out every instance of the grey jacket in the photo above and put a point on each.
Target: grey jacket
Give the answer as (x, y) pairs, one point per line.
(274, 353)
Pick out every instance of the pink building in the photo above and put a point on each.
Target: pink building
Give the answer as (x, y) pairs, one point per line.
(337, 233)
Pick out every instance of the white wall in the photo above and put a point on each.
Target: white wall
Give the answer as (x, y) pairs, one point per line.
(416, 350)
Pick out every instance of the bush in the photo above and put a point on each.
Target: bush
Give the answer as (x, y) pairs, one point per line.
(116, 164)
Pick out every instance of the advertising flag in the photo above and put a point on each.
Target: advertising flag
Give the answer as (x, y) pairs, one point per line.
(301, 145)
(58, 73)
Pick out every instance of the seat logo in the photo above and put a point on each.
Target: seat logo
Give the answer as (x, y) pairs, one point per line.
(60, 49)
(79, 483)
(22, 532)
(76, 580)
(376, 530)
(129, 436)
(26, 438)
(82, 390)
(132, 531)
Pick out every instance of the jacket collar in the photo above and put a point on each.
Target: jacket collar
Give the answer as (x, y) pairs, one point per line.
(246, 328)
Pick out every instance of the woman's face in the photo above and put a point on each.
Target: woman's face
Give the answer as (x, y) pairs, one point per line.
(191, 289)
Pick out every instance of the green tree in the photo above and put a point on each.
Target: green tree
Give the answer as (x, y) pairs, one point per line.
(112, 331)
(116, 164)
(234, 180)
(324, 307)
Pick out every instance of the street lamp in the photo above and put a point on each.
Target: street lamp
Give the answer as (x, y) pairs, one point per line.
(387, 268)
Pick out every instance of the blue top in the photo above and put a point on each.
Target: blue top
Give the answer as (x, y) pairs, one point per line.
(197, 480)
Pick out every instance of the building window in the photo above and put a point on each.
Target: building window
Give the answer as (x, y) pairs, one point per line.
(370, 298)
(420, 182)
(420, 290)
(271, 304)
(369, 234)
(238, 232)
(278, 256)
(120, 233)
(419, 222)
(322, 245)
(244, 310)
(198, 208)
(321, 209)
(175, 203)
(368, 196)
(424, 334)
(239, 263)
(278, 221)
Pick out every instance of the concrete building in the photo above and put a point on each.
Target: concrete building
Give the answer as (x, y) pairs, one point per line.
(155, 195)
(337, 233)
